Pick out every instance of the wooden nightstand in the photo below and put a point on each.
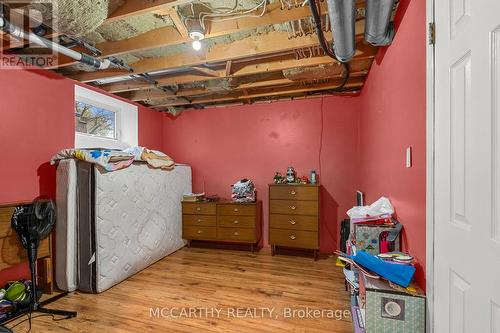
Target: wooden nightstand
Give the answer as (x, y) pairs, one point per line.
(223, 221)
(294, 216)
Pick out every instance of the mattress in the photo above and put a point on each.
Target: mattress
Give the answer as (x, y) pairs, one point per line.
(66, 243)
(124, 221)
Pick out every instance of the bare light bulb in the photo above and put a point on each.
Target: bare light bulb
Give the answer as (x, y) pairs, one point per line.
(196, 45)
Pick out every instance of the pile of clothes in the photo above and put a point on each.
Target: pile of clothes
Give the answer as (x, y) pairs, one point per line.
(243, 191)
(112, 160)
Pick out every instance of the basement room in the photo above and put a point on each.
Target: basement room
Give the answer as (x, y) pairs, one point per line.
(249, 166)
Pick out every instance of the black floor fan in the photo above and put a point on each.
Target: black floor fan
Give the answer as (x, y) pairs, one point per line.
(34, 223)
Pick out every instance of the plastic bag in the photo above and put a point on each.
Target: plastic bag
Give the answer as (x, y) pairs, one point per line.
(381, 207)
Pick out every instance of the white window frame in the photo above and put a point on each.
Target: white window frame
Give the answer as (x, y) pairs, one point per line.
(126, 121)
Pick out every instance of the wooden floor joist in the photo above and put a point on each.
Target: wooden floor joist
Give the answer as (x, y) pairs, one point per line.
(251, 46)
(169, 36)
(269, 92)
(359, 63)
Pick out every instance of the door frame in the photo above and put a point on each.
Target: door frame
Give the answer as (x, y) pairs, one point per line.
(430, 149)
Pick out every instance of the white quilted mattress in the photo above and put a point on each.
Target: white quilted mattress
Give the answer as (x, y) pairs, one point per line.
(137, 221)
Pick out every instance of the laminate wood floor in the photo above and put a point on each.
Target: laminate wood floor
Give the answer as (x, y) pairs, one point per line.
(214, 290)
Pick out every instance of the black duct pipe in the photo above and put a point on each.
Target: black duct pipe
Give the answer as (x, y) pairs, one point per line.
(379, 30)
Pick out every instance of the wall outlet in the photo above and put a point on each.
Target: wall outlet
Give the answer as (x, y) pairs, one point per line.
(408, 157)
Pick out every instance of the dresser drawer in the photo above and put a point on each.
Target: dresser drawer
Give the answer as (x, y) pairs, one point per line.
(293, 207)
(294, 238)
(199, 208)
(294, 222)
(195, 232)
(236, 221)
(236, 210)
(291, 192)
(236, 234)
(200, 220)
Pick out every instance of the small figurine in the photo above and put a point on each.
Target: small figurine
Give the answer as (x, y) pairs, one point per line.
(314, 176)
(304, 180)
(278, 178)
(290, 175)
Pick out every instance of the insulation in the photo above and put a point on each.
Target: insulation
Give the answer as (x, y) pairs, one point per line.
(75, 18)
(133, 26)
(314, 73)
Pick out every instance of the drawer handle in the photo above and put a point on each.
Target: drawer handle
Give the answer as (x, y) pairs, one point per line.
(236, 209)
(236, 233)
(198, 208)
(292, 222)
(236, 222)
(200, 220)
(293, 208)
(292, 237)
(200, 231)
(292, 192)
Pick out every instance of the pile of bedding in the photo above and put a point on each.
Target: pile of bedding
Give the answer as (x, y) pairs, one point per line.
(112, 160)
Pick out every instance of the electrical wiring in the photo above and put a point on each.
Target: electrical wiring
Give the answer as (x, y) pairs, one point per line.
(204, 15)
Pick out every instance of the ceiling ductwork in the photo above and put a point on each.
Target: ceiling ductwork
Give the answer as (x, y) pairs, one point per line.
(342, 15)
(379, 30)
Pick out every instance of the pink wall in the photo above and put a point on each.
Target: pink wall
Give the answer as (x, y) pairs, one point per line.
(393, 118)
(224, 145)
(36, 121)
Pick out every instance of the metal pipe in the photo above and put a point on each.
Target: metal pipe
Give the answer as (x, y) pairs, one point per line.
(17, 32)
(342, 15)
(379, 29)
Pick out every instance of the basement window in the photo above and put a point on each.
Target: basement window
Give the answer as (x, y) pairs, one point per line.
(94, 120)
(102, 121)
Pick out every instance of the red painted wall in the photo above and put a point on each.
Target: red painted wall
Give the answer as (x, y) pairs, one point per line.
(224, 145)
(36, 121)
(393, 118)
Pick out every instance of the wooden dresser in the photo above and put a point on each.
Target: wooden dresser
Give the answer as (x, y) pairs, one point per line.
(294, 216)
(222, 221)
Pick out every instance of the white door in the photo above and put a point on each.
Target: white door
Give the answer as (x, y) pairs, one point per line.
(467, 167)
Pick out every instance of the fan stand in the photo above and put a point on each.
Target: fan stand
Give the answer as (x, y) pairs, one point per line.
(35, 305)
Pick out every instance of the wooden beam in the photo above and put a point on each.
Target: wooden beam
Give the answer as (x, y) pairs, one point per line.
(169, 36)
(145, 95)
(357, 64)
(353, 84)
(229, 64)
(274, 42)
(181, 27)
(137, 7)
(207, 71)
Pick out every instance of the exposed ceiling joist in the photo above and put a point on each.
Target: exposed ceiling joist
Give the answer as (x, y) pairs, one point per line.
(169, 36)
(149, 95)
(357, 64)
(252, 46)
(280, 91)
(137, 7)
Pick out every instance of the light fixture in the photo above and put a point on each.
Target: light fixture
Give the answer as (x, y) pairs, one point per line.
(196, 36)
(196, 45)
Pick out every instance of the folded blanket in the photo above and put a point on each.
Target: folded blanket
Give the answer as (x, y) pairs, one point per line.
(112, 160)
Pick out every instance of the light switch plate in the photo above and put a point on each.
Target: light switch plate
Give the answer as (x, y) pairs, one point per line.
(408, 157)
